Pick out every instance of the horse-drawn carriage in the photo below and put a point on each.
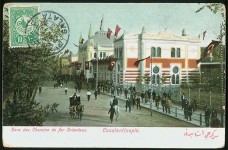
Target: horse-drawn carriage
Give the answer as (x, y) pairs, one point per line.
(76, 109)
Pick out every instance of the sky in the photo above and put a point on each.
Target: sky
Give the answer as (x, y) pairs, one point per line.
(131, 17)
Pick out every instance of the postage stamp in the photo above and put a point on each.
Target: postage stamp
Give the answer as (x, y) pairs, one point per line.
(19, 17)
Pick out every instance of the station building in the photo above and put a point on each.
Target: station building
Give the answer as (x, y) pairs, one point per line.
(172, 57)
(97, 46)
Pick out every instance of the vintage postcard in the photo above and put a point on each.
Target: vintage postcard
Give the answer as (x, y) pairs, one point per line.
(111, 75)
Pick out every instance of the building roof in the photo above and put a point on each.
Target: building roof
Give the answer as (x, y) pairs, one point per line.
(100, 38)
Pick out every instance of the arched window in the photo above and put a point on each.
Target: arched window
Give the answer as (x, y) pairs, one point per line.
(173, 52)
(156, 52)
(156, 75)
(153, 52)
(178, 52)
(175, 75)
(159, 52)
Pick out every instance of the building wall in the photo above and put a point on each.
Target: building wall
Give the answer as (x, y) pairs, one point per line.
(140, 46)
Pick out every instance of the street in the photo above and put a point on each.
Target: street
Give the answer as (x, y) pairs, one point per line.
(96, 111)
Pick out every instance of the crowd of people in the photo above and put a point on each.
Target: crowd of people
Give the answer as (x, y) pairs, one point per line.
(135, 99)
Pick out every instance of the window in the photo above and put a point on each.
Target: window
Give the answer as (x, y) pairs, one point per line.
(178, 52)
(156, 75)
(117, 53)
(156, 52)
(118, 68)
(159, 52)
(120, 52)
(104, 54)
(100, 54)
(175, 75)
(175, 53)
(90, 69)
(95, 55)
(153, 52)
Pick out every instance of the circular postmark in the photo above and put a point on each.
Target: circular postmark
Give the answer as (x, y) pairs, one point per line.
(47, 29)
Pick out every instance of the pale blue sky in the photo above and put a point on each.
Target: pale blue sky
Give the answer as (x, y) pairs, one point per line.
(133, 16)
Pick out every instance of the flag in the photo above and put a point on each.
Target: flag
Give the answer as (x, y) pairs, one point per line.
(109, 33)
(75, 45)
(208, 50)
(86, 65)
(111, 65)
(204, 33)
(78, 66)
(117, 30)
(138, 61)
(101, 23)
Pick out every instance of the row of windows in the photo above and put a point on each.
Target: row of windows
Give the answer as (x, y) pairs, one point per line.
(102, 55)
(156, 52)
(175, 77)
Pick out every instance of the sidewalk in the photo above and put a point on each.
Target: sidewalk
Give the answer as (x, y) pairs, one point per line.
(177, 112)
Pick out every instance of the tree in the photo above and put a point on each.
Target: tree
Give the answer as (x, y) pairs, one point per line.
(23, 70)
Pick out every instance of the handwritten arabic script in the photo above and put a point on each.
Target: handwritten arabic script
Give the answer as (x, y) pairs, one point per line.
(201, 133)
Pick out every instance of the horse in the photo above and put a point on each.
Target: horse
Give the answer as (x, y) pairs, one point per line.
(73, 112)
(117, 110)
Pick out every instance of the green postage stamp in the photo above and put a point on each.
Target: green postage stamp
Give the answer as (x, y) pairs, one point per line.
(19, 17)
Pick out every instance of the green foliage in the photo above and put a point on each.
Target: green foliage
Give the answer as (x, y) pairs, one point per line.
(139, 79)
(147, 78)
(23, 70)
(23, 113)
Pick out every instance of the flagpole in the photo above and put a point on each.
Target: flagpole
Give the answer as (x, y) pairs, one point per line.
(97, 71)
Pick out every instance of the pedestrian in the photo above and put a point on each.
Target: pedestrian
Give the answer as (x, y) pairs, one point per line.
(154, 95)
(142, 96)
(213, 113)
(61, 85)
(215, 123)
(130, 103)
(165, 95)
(88, 93)
(127, 104)
(66, 89)
(138, 102)
(111, 112)
(186, 111)
(118, 91)
(169, 95)
(157, 100)
(189, 109)
(207, 115)
(95, 94)
(146, 96)
(182, 100)
(115, 101)
(125, 92)
(133, 99)
(40, 88)
(169, 104)
(194, 105)
(163, 101)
